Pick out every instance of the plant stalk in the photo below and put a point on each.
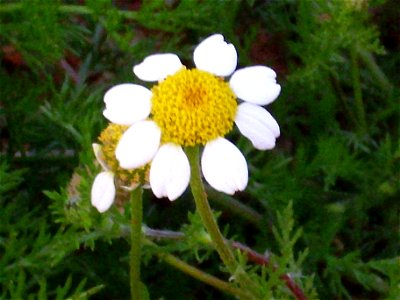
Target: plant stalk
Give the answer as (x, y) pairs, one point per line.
(219, 242)
(197, 273)
(205, 212)
(136, 242)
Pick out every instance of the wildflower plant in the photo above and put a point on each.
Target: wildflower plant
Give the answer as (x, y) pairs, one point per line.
(317, 218)
(193, 107)
(186, 109)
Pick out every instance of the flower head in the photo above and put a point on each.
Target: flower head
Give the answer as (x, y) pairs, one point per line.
(193, 107)
(189, 107)
(104, 186)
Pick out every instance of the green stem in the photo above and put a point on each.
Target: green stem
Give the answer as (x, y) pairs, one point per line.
(198, 274)
(205, 212)
(358, 101)
(136, 238)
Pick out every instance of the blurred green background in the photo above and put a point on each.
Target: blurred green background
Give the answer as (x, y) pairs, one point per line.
(337, 160)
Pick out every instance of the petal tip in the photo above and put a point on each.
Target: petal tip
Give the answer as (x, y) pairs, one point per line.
(216, 56)
(170, 172)
(255, 84)
(224, 166)
(103, 191)
(157, 67)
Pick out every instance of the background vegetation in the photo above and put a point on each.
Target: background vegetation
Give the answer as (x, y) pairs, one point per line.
(324, 204)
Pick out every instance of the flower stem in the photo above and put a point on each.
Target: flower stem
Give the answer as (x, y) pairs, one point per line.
(218, 240)
(205, 212)
(197, 273)
(253, 256)
(136, 239)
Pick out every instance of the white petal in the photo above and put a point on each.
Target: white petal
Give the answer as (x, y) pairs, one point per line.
(103, 191)
(157, 67)
(255, 84)
(216, 56)
(138, 145)
(127, 103)
(258, 125)
(170, 172)
(224, 166)
(98, 153)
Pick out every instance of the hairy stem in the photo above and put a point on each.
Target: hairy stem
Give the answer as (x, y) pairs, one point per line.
(136, 239)
(219, 242)
(205, 212)
(198, 274)
(252, 256)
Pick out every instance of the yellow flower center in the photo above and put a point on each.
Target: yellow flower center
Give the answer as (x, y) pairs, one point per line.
(109, 139)
(193, 107)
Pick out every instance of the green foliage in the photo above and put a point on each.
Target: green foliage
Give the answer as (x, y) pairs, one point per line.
(31, 29)
(30, 251)
(285, 263)
(327, 29)
(9, 181)
(323, 205)
(189, 15)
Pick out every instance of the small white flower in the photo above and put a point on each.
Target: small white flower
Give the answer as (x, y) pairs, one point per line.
(195, 107)
(113, 176)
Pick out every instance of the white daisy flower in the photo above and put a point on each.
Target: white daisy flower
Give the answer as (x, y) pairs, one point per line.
(106, 182)
(189, 107)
